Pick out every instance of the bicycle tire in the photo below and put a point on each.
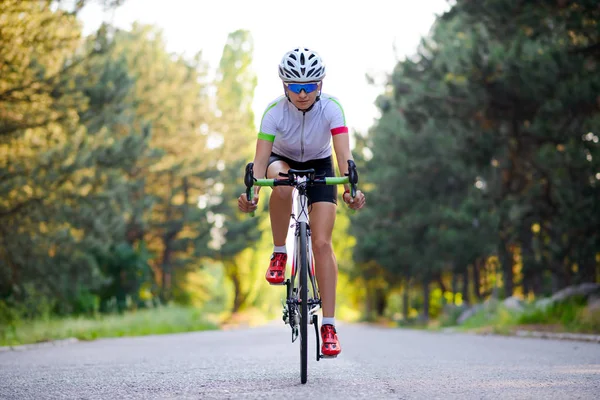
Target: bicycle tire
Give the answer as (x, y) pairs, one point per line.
(303, 250)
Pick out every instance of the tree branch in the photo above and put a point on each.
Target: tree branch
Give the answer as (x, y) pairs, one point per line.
(20, 206)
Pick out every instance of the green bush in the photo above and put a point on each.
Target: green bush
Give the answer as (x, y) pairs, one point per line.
(589, 319)
(167, 319)
(450, 315)
(493, 315)
(564, 313)
(9, 320)
(573, 314)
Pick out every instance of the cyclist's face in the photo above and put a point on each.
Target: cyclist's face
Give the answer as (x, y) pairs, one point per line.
(303, 100)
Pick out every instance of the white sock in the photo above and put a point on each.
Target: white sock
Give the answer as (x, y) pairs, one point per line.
(328, 321)
(280, 249)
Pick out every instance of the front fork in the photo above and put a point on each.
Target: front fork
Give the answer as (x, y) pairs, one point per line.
(291, 313)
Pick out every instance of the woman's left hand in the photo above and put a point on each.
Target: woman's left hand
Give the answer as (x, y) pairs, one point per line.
(355, 203)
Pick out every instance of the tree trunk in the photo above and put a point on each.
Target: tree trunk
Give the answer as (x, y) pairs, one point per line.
(380, 301)
(239, 297)
(537, 287)
(466, 296)
(426, 282)
(368, 307)
(406, 299)
(440, 282)
(166, 273)
(477, 278)
(506, 262)
(454, 286)
(530, 267)
(587, 265)
(167, 242)
(134, 231)
(526, 284)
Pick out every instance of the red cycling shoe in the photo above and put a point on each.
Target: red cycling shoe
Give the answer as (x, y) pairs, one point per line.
(276, 272)
(331, 346)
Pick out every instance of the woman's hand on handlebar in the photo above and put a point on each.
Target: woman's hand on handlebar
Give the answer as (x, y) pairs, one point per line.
(355, 203)
(247, 206)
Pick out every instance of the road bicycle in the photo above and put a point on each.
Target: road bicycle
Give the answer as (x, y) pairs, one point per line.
(302, 293)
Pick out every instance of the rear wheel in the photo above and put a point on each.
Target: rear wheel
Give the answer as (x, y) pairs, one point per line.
(303, 303)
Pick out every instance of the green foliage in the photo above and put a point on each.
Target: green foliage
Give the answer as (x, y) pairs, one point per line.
(486, 148)
(236, 245)
(161, 320)
(169, 95)
(573, 314)
(450, 316)
(90, 172)
(128, 270)
(492, 315)
(484, 166)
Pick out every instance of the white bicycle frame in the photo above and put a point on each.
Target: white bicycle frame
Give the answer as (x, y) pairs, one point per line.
(296, 301)
(300, 202)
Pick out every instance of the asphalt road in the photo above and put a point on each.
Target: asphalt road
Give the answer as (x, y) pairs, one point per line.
(376, 363)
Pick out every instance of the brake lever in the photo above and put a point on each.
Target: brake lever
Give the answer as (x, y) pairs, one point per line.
(352, 177)
(249, 180)
(249, 176)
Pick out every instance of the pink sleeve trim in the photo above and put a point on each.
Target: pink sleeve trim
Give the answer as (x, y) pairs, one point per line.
(338, 130)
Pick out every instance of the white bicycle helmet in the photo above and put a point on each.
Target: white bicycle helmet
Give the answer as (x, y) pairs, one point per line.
(301, 65)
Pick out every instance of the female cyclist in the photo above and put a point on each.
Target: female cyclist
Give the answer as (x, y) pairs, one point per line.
(296, 131)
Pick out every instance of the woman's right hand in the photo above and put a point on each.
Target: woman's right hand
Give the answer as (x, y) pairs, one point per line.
(247, 206)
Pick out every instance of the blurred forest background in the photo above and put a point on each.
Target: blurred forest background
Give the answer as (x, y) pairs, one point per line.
(120, 167)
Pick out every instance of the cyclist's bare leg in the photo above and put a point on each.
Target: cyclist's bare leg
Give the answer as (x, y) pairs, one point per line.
(280, 204)
(322, 218)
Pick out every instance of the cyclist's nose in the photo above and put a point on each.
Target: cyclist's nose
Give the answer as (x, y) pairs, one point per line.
(303, 94)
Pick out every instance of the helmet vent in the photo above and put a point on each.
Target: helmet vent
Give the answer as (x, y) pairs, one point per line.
(301, 65)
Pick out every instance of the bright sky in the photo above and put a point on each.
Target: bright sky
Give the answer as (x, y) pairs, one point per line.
(353, 38)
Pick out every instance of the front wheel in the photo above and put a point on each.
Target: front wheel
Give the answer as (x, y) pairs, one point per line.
(303, 251)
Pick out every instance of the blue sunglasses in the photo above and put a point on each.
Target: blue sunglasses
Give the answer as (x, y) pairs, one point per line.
(298, 87)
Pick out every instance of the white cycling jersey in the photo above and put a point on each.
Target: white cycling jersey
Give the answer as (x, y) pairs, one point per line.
(302, 135)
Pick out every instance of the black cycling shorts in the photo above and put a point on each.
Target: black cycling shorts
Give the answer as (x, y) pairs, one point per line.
(327, 193)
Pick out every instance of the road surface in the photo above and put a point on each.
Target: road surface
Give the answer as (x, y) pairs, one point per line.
(262, 363)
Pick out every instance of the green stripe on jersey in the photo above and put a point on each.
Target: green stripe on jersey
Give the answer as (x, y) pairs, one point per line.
(266, 136)
(268, 108)
(340, 106)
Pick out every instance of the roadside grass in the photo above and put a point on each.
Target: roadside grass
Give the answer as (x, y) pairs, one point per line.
(571, 316)
(495, 319)
(161, 320)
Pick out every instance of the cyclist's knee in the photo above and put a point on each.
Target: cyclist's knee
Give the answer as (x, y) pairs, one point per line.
(322, 246)
(282, 192)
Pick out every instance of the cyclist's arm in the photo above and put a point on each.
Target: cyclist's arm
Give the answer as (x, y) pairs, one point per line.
(261, 158)
(340, 137)
(264, 144)
(341, 146)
